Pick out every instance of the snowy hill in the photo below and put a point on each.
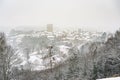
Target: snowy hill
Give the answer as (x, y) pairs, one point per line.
(70, 54)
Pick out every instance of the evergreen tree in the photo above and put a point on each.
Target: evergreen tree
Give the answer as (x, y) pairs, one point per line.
(6, 53)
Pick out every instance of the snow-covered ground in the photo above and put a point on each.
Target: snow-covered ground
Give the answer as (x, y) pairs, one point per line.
(40, 62)
(114, 78)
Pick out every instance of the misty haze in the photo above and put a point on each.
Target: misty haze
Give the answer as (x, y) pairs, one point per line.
(59, 39)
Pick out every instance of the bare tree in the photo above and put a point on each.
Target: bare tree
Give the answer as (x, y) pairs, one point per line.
(50, 55)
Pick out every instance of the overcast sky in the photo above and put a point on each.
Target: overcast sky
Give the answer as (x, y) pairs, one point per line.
(100, 15)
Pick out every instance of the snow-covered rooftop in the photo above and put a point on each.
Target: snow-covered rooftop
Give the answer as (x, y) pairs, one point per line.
(114, 78)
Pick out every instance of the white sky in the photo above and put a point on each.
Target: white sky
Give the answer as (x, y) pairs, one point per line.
(100, 15)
